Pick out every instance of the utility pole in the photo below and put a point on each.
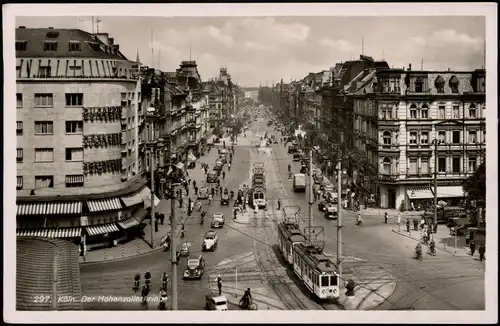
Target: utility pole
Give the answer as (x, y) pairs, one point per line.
(173, 247)
(339, 213)
(435, 183)
(310, 193)
(152, 163)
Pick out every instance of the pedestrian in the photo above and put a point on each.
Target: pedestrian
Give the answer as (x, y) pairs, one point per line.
(189, 202)
(220, 189)
(435, 228)
(482, 250)
(399, 221)
(196, 191)
(180, 202)
(213, 191)
(415, 224)
(386, 217)
(279, 204)
(156, 226)
(408, 225)
(219, 284)
(187, 191)
(194, 184)
(472, 247)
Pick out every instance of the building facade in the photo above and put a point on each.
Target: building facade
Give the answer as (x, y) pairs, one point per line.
(77, 136)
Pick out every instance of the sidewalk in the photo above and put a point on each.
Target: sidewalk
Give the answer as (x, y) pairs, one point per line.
(142, 246)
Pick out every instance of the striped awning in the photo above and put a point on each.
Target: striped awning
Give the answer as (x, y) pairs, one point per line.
(32, 209)
(132, 200)
(102, 229)
(145, 194)
(100, 205)
(420, 193)
(128, 223)
(59, 233)
(140, 214)
(70, 207)
(32, 233)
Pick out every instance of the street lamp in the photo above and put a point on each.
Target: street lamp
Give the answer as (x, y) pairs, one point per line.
(151, 111)
(435, 143)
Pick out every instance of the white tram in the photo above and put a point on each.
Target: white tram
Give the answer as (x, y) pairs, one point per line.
(289, 235)
(317, 271)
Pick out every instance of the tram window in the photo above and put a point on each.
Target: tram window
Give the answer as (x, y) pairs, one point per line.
(324, 280)
(333, 280)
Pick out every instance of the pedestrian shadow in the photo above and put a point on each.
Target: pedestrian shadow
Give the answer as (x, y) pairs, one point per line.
(450, 241)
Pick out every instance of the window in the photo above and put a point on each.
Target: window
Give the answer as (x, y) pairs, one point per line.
(74, 127)
(19, 127)
(386, 164)
(472, 112)
(472, 137)
(413, 137)
(424, 137)
(74, 154)
(44, 181)
(75, 46)
(21, 45)
(413, 112)
(441, 137)
(43, 155)
(44, 128)
(456, 164)
(441, 164)
(484, 136)
(74, 99)
(412, 169)
(74, 181)
(472, 164)
(19, 156)
(454, 84)
(424, 113)
(456, 112)
(324, 281)
(419, 85)
(19, 184)
(19, 100)
(441, 112)
(456, 137)
(424, 165)
(43, 100)
(52, 35)
(95, 46)
(439, 83)
(50, 46)
(44, 72)
(75, 70)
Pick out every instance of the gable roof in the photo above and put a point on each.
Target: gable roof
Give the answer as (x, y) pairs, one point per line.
(36, 37)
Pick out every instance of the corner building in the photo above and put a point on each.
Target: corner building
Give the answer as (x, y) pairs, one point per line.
(78, 171)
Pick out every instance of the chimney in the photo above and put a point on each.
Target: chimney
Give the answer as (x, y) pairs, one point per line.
(409, 67)
(111, 41)
(103, 37)
(22, 27)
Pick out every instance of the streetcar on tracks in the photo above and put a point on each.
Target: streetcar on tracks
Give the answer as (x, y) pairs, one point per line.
(306, 258)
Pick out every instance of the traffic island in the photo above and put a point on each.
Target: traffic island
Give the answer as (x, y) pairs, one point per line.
(440, 239)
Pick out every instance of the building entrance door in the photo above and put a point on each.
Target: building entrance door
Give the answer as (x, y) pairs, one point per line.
(392, 198)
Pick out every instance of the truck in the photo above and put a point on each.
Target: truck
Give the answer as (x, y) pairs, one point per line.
(299, 182)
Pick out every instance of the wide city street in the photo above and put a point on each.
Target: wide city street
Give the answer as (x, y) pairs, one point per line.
(438, 282)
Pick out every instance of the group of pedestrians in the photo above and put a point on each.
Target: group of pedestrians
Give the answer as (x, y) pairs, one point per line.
(481, 250)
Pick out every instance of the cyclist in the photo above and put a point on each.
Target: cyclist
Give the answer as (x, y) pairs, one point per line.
(137, 279)
(164, 281)
(247, 297)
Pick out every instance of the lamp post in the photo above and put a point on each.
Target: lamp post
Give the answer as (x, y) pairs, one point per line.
(435, 143)
(151, 111)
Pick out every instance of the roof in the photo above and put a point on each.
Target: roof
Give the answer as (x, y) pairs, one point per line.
(40, 262)
(36, 37)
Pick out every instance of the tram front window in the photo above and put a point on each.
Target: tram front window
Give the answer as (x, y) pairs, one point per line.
(324, 280)
(333, 280)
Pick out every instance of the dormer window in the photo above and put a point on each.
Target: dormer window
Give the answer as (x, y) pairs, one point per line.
(21, 45)
(419, 85)
(50, 46)
(439, 83)
(454, 84)
(75, 46)
(95, 46)
(52, 35)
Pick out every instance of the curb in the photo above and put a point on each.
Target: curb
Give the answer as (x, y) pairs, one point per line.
(442, 249)
(159, 248)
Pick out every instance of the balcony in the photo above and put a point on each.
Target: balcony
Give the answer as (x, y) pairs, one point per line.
(418, 147)
(388, 148)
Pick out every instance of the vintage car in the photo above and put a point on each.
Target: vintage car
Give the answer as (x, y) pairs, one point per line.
(215, 302)
(322, 205)
(212, 177)
(298, 155)
(224, 199)
(203, 193)
(210, 241)
(331, 211)
(331, 197)
(327, 188)
(292, 149)
(218, 165)
(218, 220)
(303, 169)
(318, 179)
(195, 268)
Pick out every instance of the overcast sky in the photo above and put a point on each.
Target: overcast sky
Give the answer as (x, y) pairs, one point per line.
(260, 49)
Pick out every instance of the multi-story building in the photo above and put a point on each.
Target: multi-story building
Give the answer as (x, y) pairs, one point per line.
(428, 122)
(77, 136)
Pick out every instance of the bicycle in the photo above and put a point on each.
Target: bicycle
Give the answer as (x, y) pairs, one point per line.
(247, 306)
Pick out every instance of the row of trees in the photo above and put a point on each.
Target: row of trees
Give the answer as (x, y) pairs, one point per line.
(475, 186)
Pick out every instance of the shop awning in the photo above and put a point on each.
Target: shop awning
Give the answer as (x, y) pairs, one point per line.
(131, 200)
(140, 214)
(32, 233)
(73, 207)
(450, 192)
(32, 209)
(128, 223)
(59, 233)
(100, 205)
(102, 229)
(420, 193)
(191, 157)
(145, 194)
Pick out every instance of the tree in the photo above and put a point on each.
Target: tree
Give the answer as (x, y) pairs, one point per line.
(475, 185)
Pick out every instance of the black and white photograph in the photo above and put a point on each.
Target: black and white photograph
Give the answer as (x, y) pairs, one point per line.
(251, 163)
